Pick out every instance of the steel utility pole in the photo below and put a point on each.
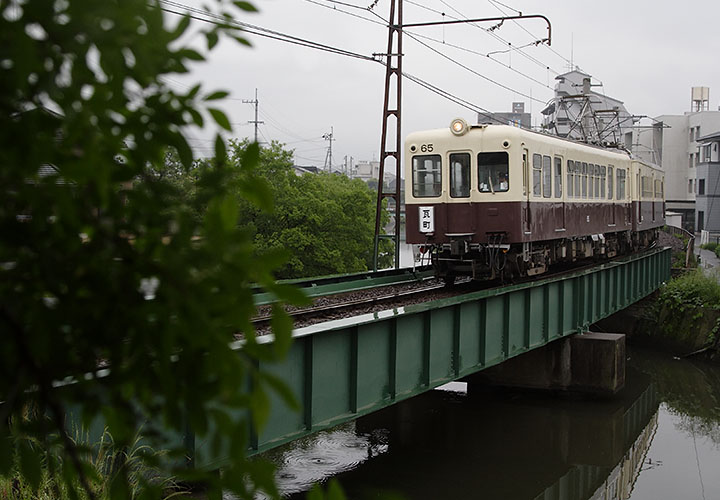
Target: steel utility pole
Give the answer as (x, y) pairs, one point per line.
(328, 157)
(394, 70)
(256, 122)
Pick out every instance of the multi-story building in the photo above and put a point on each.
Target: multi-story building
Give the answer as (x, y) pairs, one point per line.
(579, 112)
(517, 117)
(707, 200)
(673, 143)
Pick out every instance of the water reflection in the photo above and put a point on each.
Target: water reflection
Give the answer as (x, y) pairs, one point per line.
(660, 438)
(495, 445)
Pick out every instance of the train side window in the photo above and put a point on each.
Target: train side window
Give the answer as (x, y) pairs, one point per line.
(427, 176)
(460, 175)
(611, 182)
(537, 175)
(493, 175)
(658, 189)
(621, 175)
(584, 180)
(591, 181)
(547, 176)
(647, 187)
(603, 181)
(596, 181)
(578, 178)
(570, 182)
(558, 177)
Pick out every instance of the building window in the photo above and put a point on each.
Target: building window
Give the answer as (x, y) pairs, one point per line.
(701, 186)
(690, 163)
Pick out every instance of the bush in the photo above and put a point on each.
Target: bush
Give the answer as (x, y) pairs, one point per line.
(710, 246)
(688, 310)
(692, 289)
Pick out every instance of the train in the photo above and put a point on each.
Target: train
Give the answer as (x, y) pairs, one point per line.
(498, 201)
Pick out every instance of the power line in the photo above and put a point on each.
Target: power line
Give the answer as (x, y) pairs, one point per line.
(492, 33)
(486, 56)
(476, 73)
(494, 2)
(257, 30)
(383, 23)
(452, 98)
(318, 46)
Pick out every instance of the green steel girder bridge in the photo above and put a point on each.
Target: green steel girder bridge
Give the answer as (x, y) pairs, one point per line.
(343, 369)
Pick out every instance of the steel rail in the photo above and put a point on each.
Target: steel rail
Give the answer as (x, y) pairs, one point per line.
(345, 283)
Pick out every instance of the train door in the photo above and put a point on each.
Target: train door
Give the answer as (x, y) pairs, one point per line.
(638, 194)
(460, 218)
(526, 191)
(610, 193)
(558, 202)
(651, 179)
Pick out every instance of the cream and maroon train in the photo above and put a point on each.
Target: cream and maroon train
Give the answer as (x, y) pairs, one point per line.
(493, 200)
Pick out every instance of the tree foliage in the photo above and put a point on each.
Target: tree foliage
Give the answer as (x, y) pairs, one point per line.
(104, 264)
(324, 221)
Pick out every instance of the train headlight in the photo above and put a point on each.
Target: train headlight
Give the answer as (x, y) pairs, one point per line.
(459, 126)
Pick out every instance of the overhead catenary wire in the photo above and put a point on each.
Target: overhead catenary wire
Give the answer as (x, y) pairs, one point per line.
(218, 20)
(253, 29)
(469, 69)
(492, 33)
(495, 3)
(212, 18)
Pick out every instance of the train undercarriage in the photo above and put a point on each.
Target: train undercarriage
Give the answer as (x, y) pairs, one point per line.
(498, 259)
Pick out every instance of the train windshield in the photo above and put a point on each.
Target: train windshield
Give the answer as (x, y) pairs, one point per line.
(493, 172)
(427, 176)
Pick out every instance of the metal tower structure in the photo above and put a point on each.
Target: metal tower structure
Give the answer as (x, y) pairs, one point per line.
(393, 74)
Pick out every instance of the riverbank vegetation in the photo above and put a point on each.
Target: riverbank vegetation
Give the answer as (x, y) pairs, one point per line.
(686, 313)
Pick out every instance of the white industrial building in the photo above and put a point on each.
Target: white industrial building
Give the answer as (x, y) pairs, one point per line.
(579, 112)
(673, 142)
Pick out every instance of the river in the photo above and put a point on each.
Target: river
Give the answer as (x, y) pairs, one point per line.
(658, 439)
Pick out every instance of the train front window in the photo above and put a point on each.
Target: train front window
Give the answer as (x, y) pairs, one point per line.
(493, 175)
(427, 176)
(460, 175)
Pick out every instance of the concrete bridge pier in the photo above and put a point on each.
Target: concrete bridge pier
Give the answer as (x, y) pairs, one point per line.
(591, 363)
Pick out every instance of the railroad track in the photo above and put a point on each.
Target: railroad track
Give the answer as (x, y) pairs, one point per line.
(344, 308)
(343, 301)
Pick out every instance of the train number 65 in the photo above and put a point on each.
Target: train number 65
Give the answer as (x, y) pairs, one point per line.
(426, 148)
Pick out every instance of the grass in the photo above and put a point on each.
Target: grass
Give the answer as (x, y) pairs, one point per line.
(105, 461)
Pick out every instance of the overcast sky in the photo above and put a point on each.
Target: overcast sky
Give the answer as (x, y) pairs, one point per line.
(646, 53)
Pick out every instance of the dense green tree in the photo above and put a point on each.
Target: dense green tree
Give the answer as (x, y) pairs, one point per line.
(104, 264)
(325, 221)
